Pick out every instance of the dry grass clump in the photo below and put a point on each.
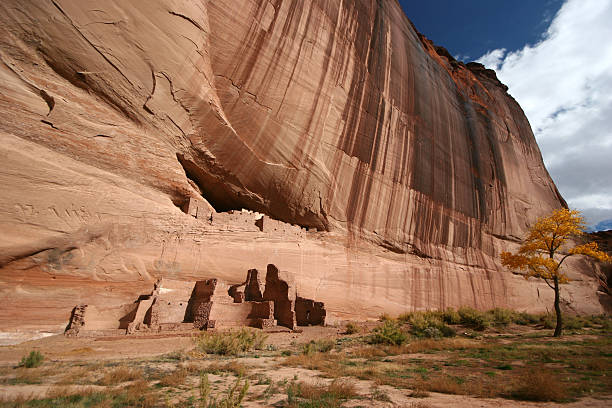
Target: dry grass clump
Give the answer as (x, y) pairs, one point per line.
(384, 317)
(320, 395)
(352, 328)
(233, 396)
(540, 385)
(232, 342)
(121, 374)
(61, 391)
(174, 379)
(137, 394)
(29, 375)
(418, 346)
(191, 368)
(318, 346)
(74, 375)
(419, 393)
(343, 388)
(421, 345)
(370, 352)
(419, 404)
(444, 385)
(379, 395)
(233, 367)
(317, 361)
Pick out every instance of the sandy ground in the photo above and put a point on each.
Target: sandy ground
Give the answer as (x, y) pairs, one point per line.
(59, 349)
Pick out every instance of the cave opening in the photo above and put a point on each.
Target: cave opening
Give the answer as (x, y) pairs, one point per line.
(217, 192)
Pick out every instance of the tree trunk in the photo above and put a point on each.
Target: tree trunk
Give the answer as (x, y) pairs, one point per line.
(559, 326)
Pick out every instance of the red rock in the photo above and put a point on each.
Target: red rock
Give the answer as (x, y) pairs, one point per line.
(335, 116)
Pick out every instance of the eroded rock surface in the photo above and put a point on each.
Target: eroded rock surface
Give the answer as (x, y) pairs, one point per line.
(407, 171)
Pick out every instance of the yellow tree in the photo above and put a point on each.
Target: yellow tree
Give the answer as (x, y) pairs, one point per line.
(547, 246)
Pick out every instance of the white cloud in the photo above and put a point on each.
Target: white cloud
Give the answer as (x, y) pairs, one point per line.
(493, 58)
(564, 85)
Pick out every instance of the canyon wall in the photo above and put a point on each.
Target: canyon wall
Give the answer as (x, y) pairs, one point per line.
(407, 170)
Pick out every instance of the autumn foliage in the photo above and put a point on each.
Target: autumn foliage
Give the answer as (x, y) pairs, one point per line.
(547, 246)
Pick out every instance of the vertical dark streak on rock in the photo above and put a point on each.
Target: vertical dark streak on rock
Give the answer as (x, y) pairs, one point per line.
(479, 203)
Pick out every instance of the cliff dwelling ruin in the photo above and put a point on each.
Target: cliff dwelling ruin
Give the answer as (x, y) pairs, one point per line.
(175, 305)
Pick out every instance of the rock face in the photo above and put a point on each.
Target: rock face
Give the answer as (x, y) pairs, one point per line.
(409, 170)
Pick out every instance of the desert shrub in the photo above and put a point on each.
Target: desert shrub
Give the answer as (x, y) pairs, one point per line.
(429, 325)
(538, 385)
(500, 316)
(351, 328)
(405, 317)
(473, 318)
(574, 322)
(32, 360)
(389, 332)
(448, 316)
(606, 325)
(603, 320)
(548, 321)
(231, 342)
(384, 317)
(318, 346)
(451, 316)
(524, 318)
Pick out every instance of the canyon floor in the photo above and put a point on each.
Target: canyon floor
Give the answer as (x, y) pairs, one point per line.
(506, 366)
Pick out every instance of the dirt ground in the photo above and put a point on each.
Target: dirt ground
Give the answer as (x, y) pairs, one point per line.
(63, 353)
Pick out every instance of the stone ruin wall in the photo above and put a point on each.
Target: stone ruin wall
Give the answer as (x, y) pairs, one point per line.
(175, 305)
(243, 220)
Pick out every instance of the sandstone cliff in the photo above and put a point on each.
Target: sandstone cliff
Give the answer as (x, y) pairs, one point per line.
(414, 169)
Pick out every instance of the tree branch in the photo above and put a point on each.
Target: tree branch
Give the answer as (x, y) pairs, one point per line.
(549, 285)
(563, 259)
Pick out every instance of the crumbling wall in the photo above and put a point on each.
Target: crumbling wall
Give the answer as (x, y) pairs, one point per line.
(308, 312)
(254, 286)
(89, 318)
(251, 290)
(170, 304)
(179, 305)
(200, 304)
(280, 289)
(236, 221)
(272, 226)
(77, 321)
(254, 314)
(141, 313)
(198, 209)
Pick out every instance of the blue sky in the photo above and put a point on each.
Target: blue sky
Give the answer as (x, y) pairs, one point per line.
(471, 28)
(556, 58)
